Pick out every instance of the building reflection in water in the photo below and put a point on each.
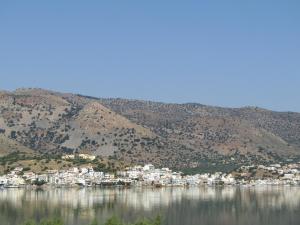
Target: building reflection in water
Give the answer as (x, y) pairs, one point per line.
(231, 205)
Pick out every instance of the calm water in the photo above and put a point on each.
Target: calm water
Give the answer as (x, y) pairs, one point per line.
(178, 206)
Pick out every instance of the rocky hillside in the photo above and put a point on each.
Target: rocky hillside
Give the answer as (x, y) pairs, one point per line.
(174, 135)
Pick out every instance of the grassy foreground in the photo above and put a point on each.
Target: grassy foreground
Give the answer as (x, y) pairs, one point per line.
(111, 221)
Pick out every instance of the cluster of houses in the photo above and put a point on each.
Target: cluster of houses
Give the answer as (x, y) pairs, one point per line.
(81, 156)
(274, 174)
(148, 175)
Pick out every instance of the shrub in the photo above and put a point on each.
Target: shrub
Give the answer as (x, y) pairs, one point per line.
(27, 168)
(13, 134)
(112, 221)
(39, 183)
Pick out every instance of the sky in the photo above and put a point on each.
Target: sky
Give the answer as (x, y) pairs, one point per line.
(225, 53)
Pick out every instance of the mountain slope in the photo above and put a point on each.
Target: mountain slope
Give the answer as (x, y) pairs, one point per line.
(247, 133)
(174, 135)
(10, 146)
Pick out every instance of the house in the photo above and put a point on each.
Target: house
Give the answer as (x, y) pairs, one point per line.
(3, 180)
(29, 176)
(148, 167)
(43, 177)
(86, 156)
(65, 157)
(15, 181)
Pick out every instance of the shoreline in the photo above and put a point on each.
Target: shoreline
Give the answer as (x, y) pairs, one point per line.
(47, 186)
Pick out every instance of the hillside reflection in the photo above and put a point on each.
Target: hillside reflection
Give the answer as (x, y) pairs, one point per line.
(201, 205)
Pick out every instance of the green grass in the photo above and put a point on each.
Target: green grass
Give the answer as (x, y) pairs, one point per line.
(112, 221)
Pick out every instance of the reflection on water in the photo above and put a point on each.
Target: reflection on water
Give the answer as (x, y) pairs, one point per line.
(263, 205)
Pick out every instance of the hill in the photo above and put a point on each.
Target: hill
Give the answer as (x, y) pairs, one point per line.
(174, 135)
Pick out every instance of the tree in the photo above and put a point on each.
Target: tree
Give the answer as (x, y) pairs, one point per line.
(39, 182)
(13, 134)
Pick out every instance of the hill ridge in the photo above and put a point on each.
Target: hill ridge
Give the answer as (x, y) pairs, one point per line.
(137, 131)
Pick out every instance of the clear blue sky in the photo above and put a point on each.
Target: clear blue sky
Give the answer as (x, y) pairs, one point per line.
(227, 53)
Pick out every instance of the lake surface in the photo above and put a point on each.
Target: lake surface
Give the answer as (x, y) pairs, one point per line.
(178, 206)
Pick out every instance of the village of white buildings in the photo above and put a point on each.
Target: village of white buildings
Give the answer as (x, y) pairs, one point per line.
(148, 175)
